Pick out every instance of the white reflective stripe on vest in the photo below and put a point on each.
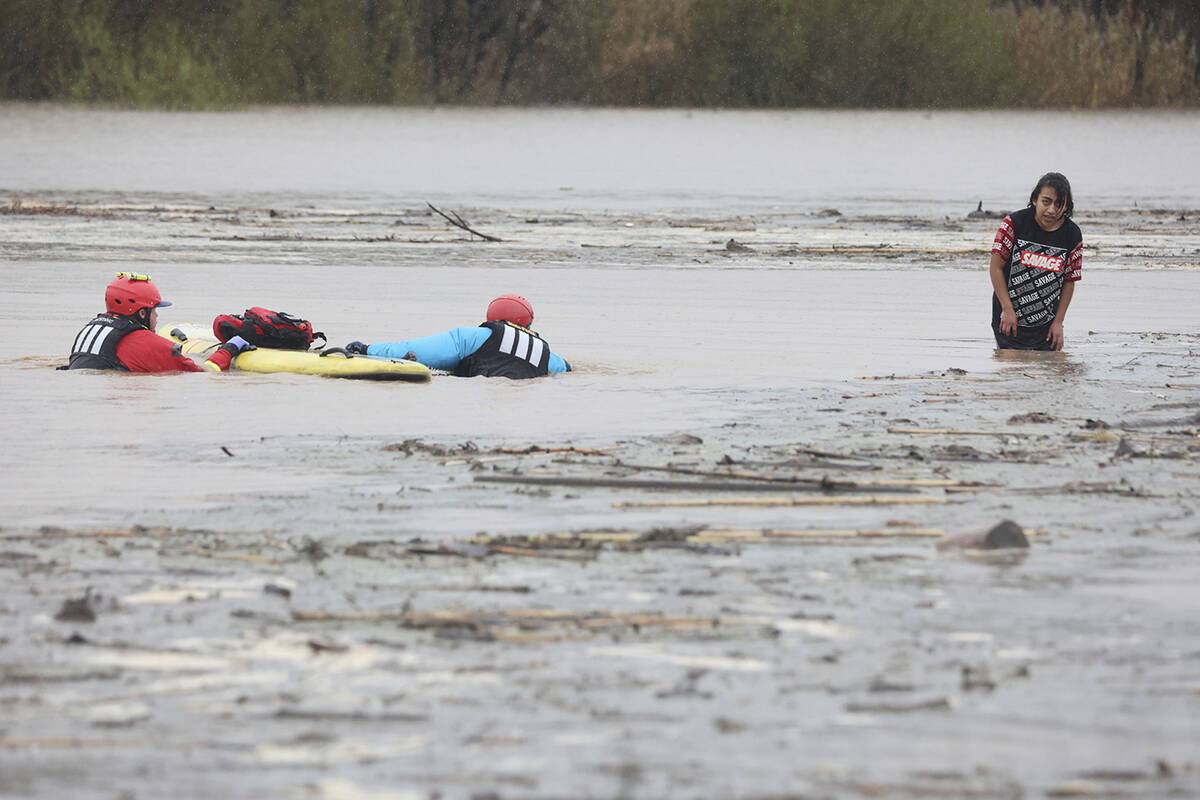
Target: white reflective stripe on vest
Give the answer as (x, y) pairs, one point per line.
(95, 348)
(77, 347)
(522, 345)
(506, 344)
(535, 357)
(89, 335)
(94, 338)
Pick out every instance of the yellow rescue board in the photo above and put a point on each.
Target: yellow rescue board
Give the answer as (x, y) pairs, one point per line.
(337, 364)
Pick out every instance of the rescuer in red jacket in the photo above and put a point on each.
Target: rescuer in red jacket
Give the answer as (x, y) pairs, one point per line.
(124, 338)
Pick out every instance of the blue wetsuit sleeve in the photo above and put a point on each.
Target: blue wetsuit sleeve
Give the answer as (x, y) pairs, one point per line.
(558, 364)
(440, 351)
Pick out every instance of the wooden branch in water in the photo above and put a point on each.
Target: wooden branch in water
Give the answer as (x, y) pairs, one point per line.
(459, 222)
(751, 476)
(508, 454)
(51, 532)
(318, 715)
(533, 552)
(65, 743)
(829, 461)
(950, 432)
(1116, 436)
(852, 500)
(814, 485)
(726, 475)
(539, 449)
(926, 378)
(815, 533)
(702, 534)
(590, 620)
(767, 534)
(247, 557)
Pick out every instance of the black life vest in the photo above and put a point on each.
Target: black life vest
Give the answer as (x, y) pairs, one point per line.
(510, 352)
(96, 345)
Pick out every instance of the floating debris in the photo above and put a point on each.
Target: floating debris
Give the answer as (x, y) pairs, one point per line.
(1038, 417)
(981, 213)
(900, 707)
(83, 609)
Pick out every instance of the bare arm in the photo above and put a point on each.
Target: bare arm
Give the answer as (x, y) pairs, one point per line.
(1008, 317)
(1055, 334)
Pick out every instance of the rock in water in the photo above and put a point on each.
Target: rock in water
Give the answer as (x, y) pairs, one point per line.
(1004, 535)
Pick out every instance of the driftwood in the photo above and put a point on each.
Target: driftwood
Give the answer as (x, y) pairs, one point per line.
(534, 552)
(66, 743)
(508, 454)
(766, 535)
(639, 540)
(818, 460)
(52, 532)
(900, 706)
(851, 500)
(823, 481)
(459, 222)
(1116, 436)
(813, 485)
(950, 432)
(587, 545)
(527, 618)
(893, 250)
(534, 448)
(822, 535)
(704, 473)
(317, 715)
(249, 558)
(927, 378)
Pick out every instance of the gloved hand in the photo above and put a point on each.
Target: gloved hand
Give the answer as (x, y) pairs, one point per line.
(356, 347)
(240, 344)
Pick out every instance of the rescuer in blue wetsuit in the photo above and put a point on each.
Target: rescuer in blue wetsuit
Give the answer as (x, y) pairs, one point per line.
(503, 346)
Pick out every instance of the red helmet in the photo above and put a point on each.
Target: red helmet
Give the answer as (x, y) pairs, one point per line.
(511, 308)
(131, 292)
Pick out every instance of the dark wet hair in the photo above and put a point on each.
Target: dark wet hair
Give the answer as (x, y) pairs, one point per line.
(1059, 183)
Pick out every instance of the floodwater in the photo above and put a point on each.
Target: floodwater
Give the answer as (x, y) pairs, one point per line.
(748, 296)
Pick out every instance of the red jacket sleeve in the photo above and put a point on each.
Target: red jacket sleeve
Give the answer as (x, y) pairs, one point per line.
(145, 351)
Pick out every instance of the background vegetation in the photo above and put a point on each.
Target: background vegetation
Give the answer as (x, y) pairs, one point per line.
(739, 53)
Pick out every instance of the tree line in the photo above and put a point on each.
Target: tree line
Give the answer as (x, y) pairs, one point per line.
(696, 53)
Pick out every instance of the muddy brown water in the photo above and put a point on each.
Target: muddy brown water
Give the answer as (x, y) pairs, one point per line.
(302, 588)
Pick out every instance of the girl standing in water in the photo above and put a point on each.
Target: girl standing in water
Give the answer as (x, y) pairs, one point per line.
(1037, 257)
